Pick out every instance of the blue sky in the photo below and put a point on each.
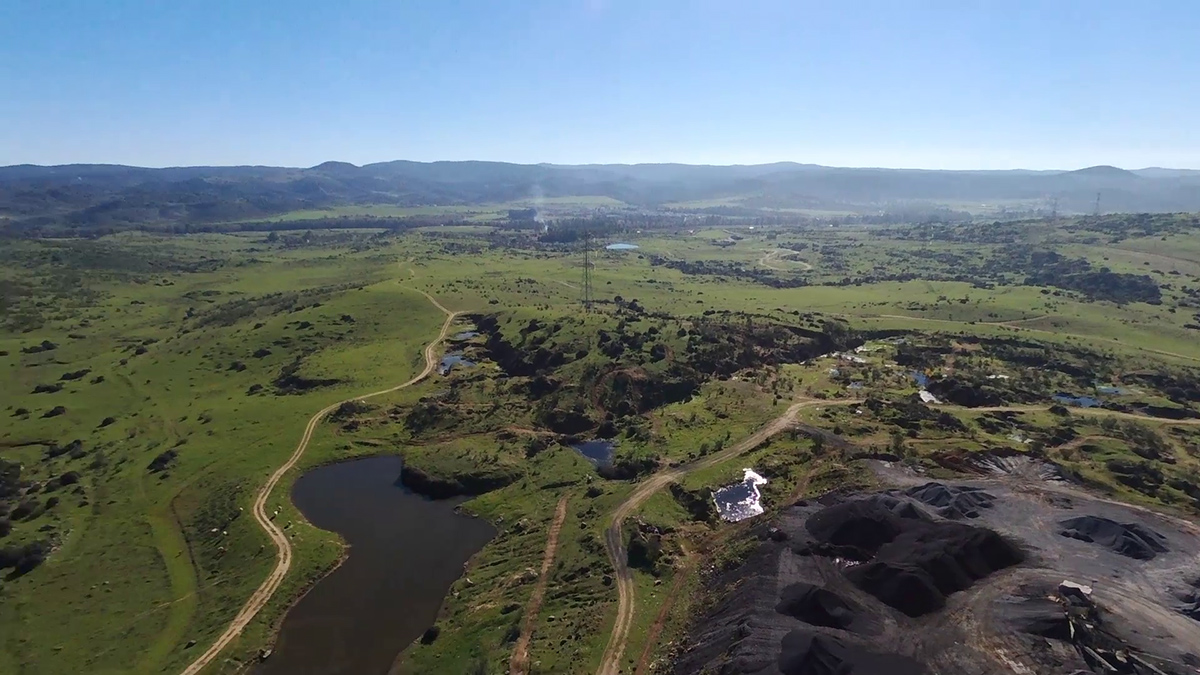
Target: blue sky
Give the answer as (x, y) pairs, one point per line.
(903, 83)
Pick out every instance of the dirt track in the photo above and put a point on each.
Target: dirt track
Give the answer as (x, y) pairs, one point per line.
(610, 663)
(268, 587)
(519, 663)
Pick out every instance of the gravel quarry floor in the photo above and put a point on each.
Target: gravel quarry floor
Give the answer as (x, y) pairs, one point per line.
(913, 580)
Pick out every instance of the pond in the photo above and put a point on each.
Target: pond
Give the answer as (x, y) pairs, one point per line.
(740, 500)
(449, 361)
(465, 335)
(598, 452)
(622, 247)
(1078, 401)
(921, 379)
(405, 552)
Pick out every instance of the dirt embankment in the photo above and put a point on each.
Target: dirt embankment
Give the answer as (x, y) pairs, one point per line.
(956, 578)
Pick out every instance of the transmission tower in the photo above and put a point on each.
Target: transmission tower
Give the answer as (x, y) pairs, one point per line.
(1096, 211)
(587, 272)
(1054, 209)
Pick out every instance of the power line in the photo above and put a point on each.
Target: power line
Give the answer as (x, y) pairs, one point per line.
(587, 271)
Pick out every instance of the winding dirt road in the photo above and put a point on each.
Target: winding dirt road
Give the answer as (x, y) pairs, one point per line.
(614, 540)
(519, 663)
(268, 587)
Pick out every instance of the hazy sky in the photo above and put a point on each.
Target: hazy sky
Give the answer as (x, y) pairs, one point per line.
(905, 83)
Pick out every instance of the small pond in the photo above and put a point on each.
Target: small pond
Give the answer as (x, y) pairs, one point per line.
(449, 361)
(621, 247)
(1078, 401)
(740, 500)
(465, 335)
(598, 451)
(405, 552)
(920, 378)
(1113, 391)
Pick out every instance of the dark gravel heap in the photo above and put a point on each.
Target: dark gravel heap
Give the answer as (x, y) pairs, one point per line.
(809, 653)
(1128, 539)
(912, 563)
(817, 606)
(951, 501)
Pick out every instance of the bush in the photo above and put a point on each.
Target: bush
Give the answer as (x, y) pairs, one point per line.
(23, 559)
(24, 509)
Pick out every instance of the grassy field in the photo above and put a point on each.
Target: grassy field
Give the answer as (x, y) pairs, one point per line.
(186, 367)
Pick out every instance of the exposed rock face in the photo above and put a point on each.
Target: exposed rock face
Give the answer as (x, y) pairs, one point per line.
(444, 487)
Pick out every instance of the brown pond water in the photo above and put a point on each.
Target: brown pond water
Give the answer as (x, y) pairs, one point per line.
(405, 551)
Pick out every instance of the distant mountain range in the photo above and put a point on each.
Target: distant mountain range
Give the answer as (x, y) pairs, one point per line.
(97, 195)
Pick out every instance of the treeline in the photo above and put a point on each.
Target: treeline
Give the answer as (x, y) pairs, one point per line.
(1077, 274)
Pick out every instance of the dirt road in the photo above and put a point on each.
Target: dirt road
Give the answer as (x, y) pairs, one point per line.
(614, 540)
(519, 663)
(264, 592)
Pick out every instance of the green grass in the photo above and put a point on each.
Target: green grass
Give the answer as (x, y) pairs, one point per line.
(138, 572)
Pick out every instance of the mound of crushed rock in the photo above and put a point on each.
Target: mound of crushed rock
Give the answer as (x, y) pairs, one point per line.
(806, 652)
(952, 502)
(910, 563)
(1190, 601)
(1128, 539)
(817, 606)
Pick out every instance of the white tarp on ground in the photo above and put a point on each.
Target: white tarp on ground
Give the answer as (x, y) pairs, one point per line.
(928, 397)
(740, 500)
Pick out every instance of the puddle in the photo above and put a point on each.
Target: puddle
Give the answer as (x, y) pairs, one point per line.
(621, 247)
(1077, 401)
(598, 452)
(405, 552)
(449, 361)
(740, 500)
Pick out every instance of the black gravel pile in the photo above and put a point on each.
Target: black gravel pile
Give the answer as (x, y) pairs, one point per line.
(953, 502)
(1129, 539)
(1190, 601)
(808, 653)
(858, 528)
(817, 606)
(913, 563)
(1039, 616)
